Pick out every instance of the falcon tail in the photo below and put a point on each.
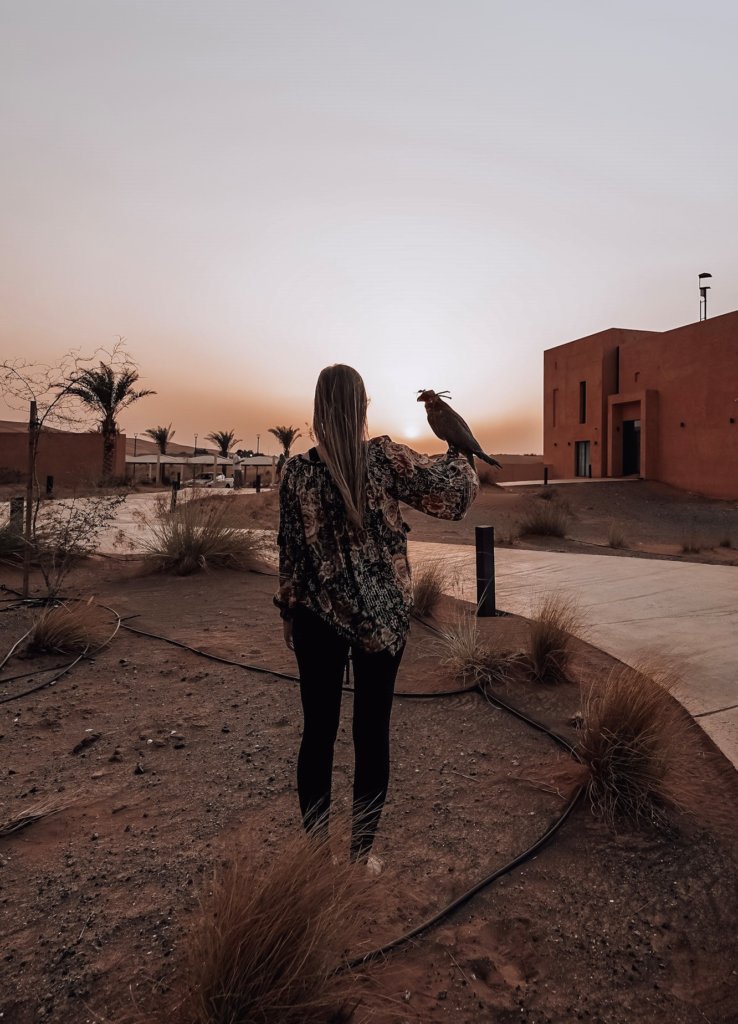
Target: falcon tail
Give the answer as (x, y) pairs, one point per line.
(488, 459)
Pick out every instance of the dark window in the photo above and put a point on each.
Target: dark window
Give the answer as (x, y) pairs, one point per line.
(582, 401)
(553, 407)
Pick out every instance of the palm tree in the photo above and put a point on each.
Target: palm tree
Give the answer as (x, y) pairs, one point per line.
(286, 437)
(107, 393)
(161, 436)
(224, 439)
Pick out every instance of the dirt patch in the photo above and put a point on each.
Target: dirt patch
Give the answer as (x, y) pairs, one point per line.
(193, 759)
(651, 519)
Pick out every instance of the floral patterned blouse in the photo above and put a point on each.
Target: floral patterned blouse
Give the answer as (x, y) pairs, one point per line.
(359, 582)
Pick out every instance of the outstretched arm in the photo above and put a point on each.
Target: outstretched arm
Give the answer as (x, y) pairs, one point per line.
(443, 486)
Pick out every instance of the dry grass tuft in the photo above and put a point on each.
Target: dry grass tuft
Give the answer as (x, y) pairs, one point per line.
(638, 745)
(616, 537)
(545, 519)
(81, 626)
(22, 819)
(196, 536)
(461, 649)
(431, 580)
(691, 543)
(488, 476)
(555, 623)
(269, 938)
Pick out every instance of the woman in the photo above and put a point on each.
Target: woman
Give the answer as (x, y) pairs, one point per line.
(345, 584)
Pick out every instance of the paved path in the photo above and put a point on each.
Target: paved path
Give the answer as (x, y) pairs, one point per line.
(634, 607)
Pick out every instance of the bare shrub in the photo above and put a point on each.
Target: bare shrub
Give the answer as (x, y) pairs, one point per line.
(638, 745)
(67, 628)
(68, 530)
(461, 649)
(195, 536)
(431, 580)
(269, 938)
(615, 536)
(556, 621)
(549, 519)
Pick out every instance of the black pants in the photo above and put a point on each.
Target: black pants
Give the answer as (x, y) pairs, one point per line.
(321, 658)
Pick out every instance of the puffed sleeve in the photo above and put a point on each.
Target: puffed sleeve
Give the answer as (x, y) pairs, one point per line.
(290, 541)
(443, 486)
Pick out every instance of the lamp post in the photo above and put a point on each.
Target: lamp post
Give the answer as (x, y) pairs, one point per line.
(258, 436)
(704, 289)
(194, 452)
(135, 444)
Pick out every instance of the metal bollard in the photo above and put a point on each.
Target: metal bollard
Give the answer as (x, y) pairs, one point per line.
(485, 543)
(257, 483)
(545, 476)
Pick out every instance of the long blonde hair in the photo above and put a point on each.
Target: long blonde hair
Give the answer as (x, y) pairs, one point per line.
(339, 425)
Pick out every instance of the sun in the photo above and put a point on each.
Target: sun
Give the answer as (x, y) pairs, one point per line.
(411, 431)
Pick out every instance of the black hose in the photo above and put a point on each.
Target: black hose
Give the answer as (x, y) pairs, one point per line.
(32, 672)
(212, 657)
(48, 682)
(444, 912)
(477, 887)
(59, 670)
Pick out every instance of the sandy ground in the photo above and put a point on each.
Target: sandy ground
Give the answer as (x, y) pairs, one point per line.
(191, 760)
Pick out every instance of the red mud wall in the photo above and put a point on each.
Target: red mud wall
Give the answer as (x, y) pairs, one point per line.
(592, 360)
(686, 382)
(72, 459)
(695, 371)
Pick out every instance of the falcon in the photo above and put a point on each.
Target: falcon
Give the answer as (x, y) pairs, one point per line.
(446, 423)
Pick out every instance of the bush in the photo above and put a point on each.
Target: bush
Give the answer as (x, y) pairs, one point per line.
(69, 628)
(616, 537)
(726, 542)
(556, 621)
(550, 519)
(637, 743)
(267, 942)
(195, 537)
(66, 531)
(461, 649)
(691, 543)
(431, 580)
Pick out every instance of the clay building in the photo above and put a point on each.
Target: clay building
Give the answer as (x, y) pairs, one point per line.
(71, 459)
(658, 405)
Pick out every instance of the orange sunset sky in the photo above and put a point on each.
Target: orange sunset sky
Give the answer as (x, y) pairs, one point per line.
(432, 191)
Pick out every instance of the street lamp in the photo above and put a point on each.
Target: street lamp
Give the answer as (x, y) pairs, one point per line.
(704, 289)
(258, 436)
(194, 452)
(135, 444)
